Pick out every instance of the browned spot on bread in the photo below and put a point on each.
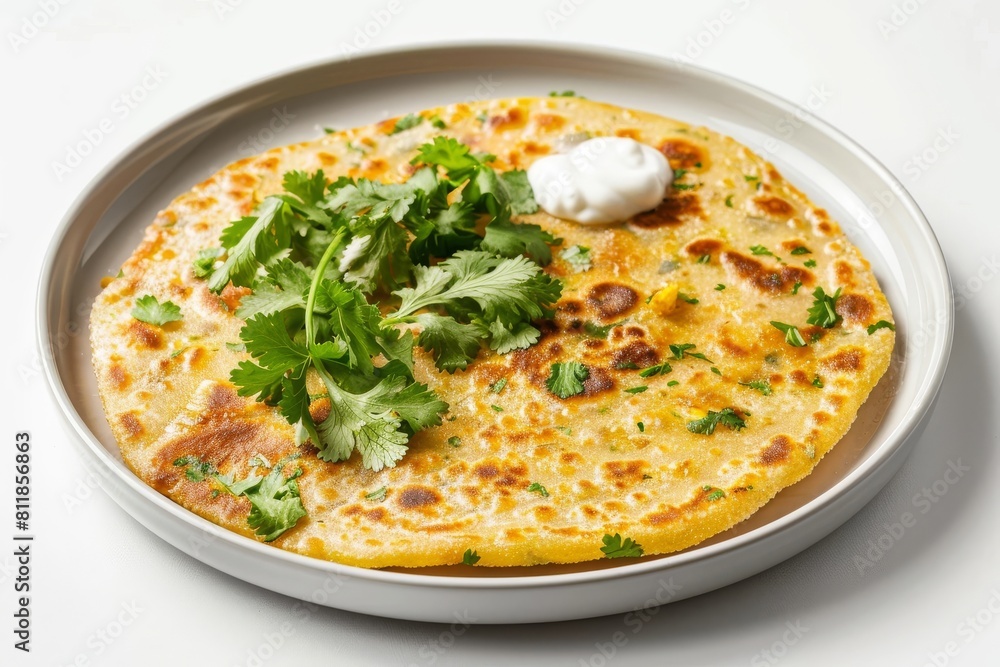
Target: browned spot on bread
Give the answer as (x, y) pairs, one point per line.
(701, 247)
(683, 154)
(767, 279)
(130, 423)
(487, 470)
(822, 417)
(799, 377)
(660, 518)
(589, 511)
(532, 148)
(268, 163)
(845, 274)
(512, 119)
(846, 360)
(568, 314)
(792, 244)
(415, 496)
(243, 179)
(145, 335)
(544, 513)
(855, 308)
(326, 159)
(376, 515)
(773, 206)
(223, 442)
(319, 409)
(118, 376)
(612, 299)
(673, 210)
(777, 451)
(222, 397)
(825, 227)
(202, 203)
(623, 473)
(388, 125)
(597, 382)
(628, 132)
(570, 458)
(548, 121)
(636, 354)
(635, 332)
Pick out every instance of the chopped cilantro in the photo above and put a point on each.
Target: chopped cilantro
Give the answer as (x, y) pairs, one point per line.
(275, 505)
(673, 383)
(881, 324)
(760, 250)
(687, 298)
(470, 557)
(641, 427)
(616, 547)
(817, 381)
(801, 250)
(147, 309)
(796, 287)
(329, 130)
(535, 487)
(378, 495)
(715, 370)
(718, 494)
(408, 121)
(498, 386)
(705, 259)
(566, 379)
(565, 93)
(679, 173)
(496, 408)
(686, 186)
(578, 257)
(823, 311)
(205, 261)
(437, 122)
(729, 201)
(809, 263)
(657, 369)
(679, 351)
(749, 178)
(792, 334)
(636, 390)
(763, 386)
(598, 331)
(720, 287)
(706, 425)
(455, 441)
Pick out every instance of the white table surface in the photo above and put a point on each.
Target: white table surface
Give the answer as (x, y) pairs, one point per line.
(895, 75)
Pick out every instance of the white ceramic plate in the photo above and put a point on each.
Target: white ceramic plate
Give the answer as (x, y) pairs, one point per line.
(106, 223)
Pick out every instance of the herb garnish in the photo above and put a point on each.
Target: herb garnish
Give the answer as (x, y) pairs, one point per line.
(578, 257)
(706, 425)
(566, 379)
(535, 487)
(682, 350)
(881, 324)
(470, 557)
(616, 547)
(147, 309)
(823, 311)
(792, 334)
(763, 386)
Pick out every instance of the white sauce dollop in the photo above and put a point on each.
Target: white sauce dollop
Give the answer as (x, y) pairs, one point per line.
(602, 180)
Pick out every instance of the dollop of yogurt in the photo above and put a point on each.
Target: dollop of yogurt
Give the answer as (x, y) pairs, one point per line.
(601, 180)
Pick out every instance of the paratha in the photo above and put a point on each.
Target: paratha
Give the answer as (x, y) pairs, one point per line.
(731, 248)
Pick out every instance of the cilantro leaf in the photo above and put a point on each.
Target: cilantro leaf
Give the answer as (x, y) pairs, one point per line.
(510, 239)
(204, 263)
(578, 257)
(566, 379)
(792, 334)
(408, 121)
(881, 324)
(760, 250)
(706, 425)
(275, 503)
(823, 311)
(284, 287)
(147, 309)
(267, 340)
(518, 190)
(616, 547)
(371, 421)
(801, 250)
(535, 487)
(763, 386)
(470, 557)
(658, 369)
(252, 241)
(452, 344)
(681, 350)
(599, 331)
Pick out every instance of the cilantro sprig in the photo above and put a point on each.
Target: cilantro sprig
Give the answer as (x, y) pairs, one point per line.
(616, 547)
(321, 257)
(727, 417)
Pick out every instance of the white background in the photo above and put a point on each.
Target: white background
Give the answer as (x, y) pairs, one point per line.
(896, 74)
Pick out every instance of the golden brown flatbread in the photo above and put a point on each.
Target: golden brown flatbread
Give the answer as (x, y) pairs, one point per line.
(610, 460)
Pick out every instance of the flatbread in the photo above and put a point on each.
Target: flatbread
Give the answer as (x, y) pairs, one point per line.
(166, 391)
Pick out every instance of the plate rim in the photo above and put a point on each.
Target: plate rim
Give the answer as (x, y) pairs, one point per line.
(925, 395)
